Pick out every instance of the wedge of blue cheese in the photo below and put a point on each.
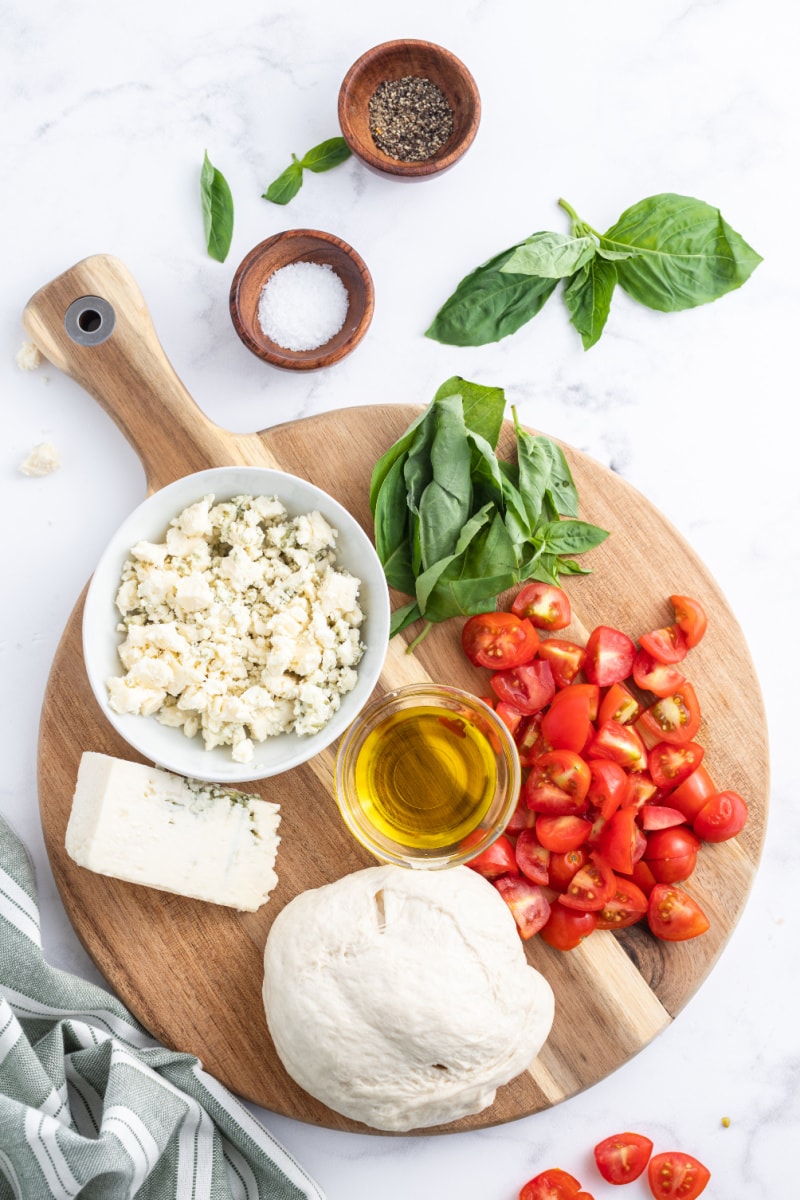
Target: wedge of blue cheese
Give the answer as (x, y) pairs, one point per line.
(151, 827)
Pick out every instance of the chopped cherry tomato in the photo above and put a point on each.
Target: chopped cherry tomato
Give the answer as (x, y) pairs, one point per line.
(564, 866)
(640, 789)
(557, 783)
(609, 787)
(621, 841)
(528, 738)
(509, 715)
(566, 928)
(521, 818)
(627, 906)
(533, 858)
(690, 618)
(566, 659)
(667, 645)
(661, 679)
(623, 1157)
(529, 906)
(676, 1175)
(674, 916)
(620, 743)
(609, 656)
(544, 605)
(567, 724)
(496, 860)
(660, 816)
(669, 763)
(591, 887)
(620, 705)
(554, 1184)
(643, 877)
(721, 817)
(671, 854)
(529, 687)
(499, 640)
(563, 833)
(674, 718)
(692, 794)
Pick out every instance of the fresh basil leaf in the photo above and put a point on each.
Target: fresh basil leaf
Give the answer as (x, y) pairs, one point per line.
(417, 469)
(560, 486)
(428, 579)
(391, 531)
(687, 254)
(488, 305)
(446, 503)
(217, 202)
(395, 451)
(402, 617)
(287, 185)
(587, 296)
(326, 155)
(552, 255)
(572, 537)
(604, 251)
(484, 407)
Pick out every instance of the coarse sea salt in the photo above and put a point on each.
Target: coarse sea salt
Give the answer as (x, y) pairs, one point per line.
(302, 305)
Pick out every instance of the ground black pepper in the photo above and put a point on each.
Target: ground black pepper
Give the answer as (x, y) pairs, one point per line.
(410, 119)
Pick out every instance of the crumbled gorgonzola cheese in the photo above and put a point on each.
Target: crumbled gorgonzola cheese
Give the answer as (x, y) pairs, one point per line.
(42, 460)
(238, 626)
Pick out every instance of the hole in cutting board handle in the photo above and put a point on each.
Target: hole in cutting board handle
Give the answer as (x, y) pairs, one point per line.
(89, 320)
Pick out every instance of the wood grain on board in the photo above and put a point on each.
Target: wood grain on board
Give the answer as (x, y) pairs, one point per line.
(192, 972)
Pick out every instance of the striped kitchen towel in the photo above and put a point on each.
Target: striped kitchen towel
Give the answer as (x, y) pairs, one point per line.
(92, 1106)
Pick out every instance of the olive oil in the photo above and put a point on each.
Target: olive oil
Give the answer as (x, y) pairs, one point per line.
(425, 778)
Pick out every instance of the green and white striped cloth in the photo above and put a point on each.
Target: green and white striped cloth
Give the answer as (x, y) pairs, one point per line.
(92, 1106)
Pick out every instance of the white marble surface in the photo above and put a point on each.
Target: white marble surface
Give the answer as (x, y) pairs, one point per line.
(107, 110)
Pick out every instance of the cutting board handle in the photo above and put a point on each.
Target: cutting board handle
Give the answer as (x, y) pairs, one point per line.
(93, 324)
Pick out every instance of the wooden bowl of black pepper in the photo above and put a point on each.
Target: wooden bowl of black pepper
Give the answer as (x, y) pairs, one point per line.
(409, 109)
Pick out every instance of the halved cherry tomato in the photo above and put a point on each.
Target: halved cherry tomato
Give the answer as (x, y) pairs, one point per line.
(669, 763)
(564, 866)
(623, 1157)
(619, 704)
(496, 860)
(690, 617)
(529, 906)
(567, 723)
(690, 796)
(674, 1175)
(661, 679)
(591, 887)
(529, 687)
(721, 817)
(562, 833)
(667, 645)
(566, 928)
(557, 783)
(620, 743)
(499, 640)
(627, 906)
(671, 854)
(554, 1184)
(544, 605)
(674, 718)
(609, 656)
(660, 816)
(621, 841)
(533, 858)
(510, 715)
(674, 916)
(566, 659)
(609, 787)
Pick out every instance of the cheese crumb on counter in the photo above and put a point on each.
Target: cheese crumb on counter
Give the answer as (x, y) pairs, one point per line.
(42, 460)
(238, 626)
(150, 827)
(28, 357)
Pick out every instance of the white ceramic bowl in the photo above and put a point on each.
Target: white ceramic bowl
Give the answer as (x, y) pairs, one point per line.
(170, 748)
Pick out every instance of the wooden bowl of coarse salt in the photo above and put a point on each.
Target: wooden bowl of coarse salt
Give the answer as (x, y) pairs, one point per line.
(302, 299)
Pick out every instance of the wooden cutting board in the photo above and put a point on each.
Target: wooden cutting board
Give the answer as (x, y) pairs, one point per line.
(192, 972)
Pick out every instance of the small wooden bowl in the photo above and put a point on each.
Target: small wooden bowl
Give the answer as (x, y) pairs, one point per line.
(292, 246)
(393, 60)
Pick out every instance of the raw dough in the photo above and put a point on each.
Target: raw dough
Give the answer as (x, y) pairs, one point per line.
(403, 998)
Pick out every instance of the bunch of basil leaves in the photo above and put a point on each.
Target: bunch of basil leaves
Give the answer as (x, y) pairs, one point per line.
(455, 526)
(669, 252)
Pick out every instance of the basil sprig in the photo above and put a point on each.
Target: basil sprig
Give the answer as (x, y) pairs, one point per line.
(455, 526)
(669, 252)
(320, 158)
(217, 203)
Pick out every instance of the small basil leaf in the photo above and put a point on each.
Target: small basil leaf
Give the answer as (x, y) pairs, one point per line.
(572, 537)
(326, 155)
(287, 185)
(588, 298)
(687, 254)
(552, 255)
(484, 407)
(217, 202)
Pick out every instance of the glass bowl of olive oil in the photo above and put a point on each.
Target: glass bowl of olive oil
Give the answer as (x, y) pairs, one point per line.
(427, 776)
